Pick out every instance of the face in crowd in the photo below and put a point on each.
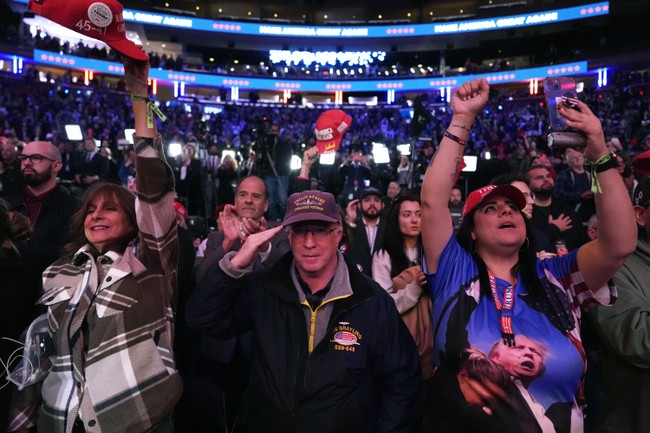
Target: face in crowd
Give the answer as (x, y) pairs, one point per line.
(314, 245)
(530, 198)
(371, 206)
(455, 197)
(499, 227)
(393, 190)
(541, 182)
(39, 163)
(108, 217)
(410, 219)
(250, 200)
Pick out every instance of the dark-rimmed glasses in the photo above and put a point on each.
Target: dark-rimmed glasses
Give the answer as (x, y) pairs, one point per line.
(34, 159)
(319, 233)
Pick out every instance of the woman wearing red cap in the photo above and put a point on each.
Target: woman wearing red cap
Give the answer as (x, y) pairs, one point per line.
(493, 297)
(110, 302)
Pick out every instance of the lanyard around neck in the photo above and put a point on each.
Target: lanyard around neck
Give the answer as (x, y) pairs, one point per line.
(504, 308)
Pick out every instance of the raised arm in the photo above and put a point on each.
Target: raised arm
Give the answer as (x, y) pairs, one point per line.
(467, 102)
(601, 258)
(154, 179)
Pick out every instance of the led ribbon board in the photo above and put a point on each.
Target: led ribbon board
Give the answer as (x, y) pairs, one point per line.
(550, 16)
(274, 84)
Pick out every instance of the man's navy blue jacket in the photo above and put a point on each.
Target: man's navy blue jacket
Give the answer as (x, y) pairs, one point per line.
(368, 386)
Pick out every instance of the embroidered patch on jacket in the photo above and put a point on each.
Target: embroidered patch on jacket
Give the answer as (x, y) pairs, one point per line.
(346, 337)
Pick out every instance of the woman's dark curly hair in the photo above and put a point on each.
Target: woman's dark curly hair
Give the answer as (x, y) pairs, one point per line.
(525, 265)
(122, 197)
(394, 239)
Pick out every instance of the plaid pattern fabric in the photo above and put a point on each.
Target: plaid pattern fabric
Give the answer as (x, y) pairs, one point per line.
(113, 327)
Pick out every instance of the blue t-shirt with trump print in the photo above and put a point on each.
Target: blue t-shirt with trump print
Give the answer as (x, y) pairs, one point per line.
(487, 385)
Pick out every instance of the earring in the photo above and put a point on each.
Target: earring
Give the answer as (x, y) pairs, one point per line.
(522, 249)
(475, 246)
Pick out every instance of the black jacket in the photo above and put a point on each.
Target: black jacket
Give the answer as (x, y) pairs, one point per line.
(51, 231)
(366, 387)
(359, 246)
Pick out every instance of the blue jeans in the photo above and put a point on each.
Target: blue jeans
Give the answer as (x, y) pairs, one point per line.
(277, 187)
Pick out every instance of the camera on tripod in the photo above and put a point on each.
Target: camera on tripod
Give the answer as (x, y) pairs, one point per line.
(263, 145)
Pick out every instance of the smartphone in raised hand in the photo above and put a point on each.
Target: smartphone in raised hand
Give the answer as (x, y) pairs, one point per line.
(561, 90)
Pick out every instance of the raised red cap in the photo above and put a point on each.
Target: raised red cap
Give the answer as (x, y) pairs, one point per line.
(330, 127)
(102, 20)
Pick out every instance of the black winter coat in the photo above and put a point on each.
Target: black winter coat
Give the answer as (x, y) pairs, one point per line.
(366, 387)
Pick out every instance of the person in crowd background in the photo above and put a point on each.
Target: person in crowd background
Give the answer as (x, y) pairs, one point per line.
(48, 205)
(355, 173)
(227, 360)
(561, 225)
(623, 329)
(10, 179)
(573, 185)
(273, 164)
(367, 229)
(189, 181)
(227, 175)
(19, 287)
(93, 165)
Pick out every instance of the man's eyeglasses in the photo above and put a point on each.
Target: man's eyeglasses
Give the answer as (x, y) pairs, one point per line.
(34, 159)
(319, 233)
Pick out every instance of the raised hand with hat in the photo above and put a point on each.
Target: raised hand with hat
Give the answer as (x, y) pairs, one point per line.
(330, 127)
(102, 20)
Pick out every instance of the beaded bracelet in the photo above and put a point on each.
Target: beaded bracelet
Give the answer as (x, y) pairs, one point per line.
(603, 163)
(151, 108)
(455, 138)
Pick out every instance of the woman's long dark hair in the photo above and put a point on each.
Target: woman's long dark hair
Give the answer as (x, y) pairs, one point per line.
(394, 239)
(123, 197)
(525, 265)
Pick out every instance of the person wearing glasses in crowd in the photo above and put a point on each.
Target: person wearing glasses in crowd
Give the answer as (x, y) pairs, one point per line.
(330, 351)
(111, 300)
(488, 285)
(48, 205)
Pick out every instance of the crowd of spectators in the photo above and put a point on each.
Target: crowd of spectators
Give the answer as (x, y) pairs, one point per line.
(508, 137)
(30, 110)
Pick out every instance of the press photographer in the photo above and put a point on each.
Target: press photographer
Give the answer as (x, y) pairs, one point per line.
(272, 162)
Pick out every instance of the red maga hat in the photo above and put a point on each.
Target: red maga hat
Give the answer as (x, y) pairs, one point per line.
(477, 196)
(330, 127)
(180, 209)
(100, 20)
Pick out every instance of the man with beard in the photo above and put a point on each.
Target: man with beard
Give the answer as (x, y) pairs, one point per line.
(48, 205)
(367, 230)
(559, 223)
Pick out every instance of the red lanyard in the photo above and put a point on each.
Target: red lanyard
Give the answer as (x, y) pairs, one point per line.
(505, 309)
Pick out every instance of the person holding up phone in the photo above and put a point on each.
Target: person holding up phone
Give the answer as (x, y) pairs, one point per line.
(493, 296)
